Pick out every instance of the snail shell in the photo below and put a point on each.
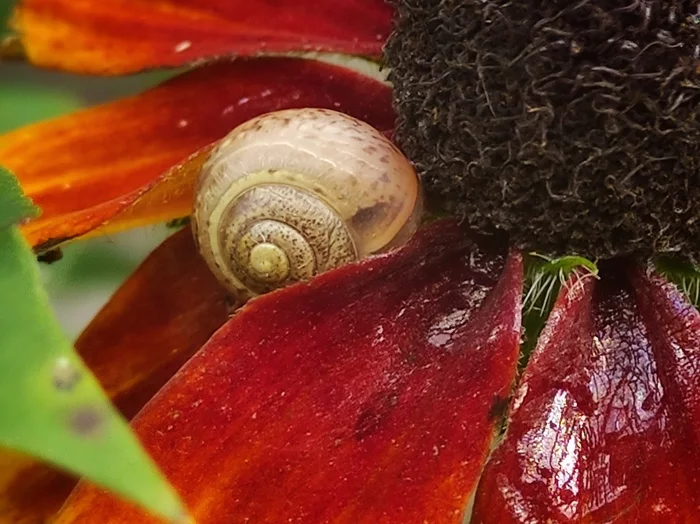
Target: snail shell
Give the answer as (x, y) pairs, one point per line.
(291, 194)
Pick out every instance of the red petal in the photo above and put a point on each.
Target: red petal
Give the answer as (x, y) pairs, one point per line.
(85, 168)
(154, 323)
(364, 396)
(123, 36)
(606, 423)
(166, 310)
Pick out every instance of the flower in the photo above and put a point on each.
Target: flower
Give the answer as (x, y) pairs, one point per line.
(371, 393)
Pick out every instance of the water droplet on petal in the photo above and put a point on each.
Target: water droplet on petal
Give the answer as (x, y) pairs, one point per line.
(183, 46)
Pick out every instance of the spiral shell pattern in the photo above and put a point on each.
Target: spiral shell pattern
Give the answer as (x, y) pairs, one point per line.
(294, 193)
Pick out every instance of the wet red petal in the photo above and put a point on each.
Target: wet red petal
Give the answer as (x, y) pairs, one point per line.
(154, 323)
(123, 36)
(606, 423)
(166, 310)
(113, 163)
(365, 396)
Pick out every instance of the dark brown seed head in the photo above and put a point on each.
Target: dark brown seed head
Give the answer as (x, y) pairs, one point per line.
(572, 125)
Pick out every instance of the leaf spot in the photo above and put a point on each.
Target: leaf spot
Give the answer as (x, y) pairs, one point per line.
(86, 421)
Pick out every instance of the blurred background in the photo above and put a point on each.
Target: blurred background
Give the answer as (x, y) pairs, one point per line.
(83, 280)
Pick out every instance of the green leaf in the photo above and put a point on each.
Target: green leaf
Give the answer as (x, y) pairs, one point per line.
(51, 406)
(5, 10)
(14, 206)
(682, 272)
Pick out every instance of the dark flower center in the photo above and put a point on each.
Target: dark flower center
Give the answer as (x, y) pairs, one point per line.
(572, 125)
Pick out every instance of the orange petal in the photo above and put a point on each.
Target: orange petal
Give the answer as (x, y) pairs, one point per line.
(166, 310)
(123, 36)
(366, 395)
(85, 169)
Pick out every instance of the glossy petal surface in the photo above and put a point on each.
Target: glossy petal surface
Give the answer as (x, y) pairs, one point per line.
(122, 36)
(117, 159)
(166, 310)
(366, 395)
(606, 423)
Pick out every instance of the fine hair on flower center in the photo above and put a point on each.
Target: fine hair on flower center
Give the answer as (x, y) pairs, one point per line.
(573, 126)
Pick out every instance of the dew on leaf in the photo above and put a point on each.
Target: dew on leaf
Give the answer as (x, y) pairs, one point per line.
(64, 375)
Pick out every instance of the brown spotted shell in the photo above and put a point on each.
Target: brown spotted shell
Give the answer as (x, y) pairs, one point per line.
(291, 194)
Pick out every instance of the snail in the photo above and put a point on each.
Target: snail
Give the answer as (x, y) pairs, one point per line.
(294, 193)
